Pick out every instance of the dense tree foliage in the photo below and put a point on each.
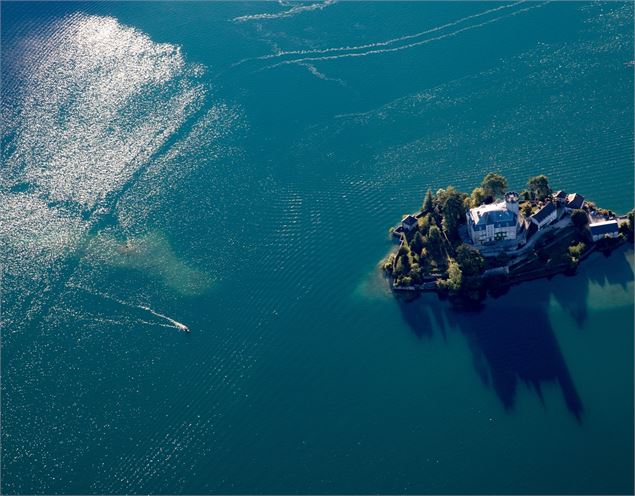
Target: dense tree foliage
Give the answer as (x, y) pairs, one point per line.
(559, 259)
(472, 265)
(579, 218)
(538, 187)
(388, 262)
(428, 202)
(493, 185)
(424, 223)
(526, 208)
(403, 265)
(450, 203)
(576, 250)
(477, 198)
(433, 249)
(417, 243)
(454, 281)
(626, 228)
(470, 260)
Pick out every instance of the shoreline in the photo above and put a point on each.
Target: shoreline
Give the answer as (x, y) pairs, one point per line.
(441, 248)
(517, 279)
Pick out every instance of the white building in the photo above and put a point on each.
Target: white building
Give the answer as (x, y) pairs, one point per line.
(494, 222)
(545, 216)
(605, 229)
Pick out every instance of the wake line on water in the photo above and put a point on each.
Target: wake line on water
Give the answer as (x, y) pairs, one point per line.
(174, 324)
(404, 47)
(298, 9)
(384, 43)
(313, 70)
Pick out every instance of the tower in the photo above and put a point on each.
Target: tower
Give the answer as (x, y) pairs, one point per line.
(511, 201)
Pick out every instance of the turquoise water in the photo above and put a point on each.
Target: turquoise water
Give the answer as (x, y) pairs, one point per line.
(177, 157)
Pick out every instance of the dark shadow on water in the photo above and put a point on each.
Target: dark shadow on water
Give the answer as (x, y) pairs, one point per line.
(424, 319)
(573, 295)
(620, 273)
(511, 337)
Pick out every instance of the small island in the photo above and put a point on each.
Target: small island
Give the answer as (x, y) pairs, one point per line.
(464, 245)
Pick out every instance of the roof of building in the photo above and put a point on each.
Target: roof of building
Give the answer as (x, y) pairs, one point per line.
(605, 227)
(544, 212)
(574, 200)
(560, 194)
(494, 213)
(409, 220)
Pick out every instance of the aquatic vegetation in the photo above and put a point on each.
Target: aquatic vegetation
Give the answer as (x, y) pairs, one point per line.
(151, 254)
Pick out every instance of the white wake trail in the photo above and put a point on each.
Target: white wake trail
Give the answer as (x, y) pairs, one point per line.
(403, 47)
(313, 70)
(387, 42)
(174, 324)
(298, 9)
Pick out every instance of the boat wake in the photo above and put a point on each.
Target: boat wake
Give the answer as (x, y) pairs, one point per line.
(307, 57)
(298, 9)
(386, 42)
(377, 51)
(172, 323)
(100, 123)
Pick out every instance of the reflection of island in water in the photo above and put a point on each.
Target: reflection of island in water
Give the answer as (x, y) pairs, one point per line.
(511, 338)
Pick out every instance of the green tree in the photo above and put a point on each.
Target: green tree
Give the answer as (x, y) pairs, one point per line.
(428, 203)
(470, 260)
(424, 223)
(626, 228)
(579, 218)
(439, 197)
(424, 261)
(494, 184)
(417, 242)
(478, 197)
(538, 186)
(576, 250)
(561, 259)
(434, 243)
(402, 267)
(453, 212)
(525, 208)
(387, 263)
(404, 249)
(415, 273)
(455, 278)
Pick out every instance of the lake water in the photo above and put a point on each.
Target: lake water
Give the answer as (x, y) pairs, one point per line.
(235, 167)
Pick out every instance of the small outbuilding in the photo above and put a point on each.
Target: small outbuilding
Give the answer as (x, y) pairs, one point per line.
(560, 196)
(574, 200)
(606, 229)
(409, 222)
(545, 216)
